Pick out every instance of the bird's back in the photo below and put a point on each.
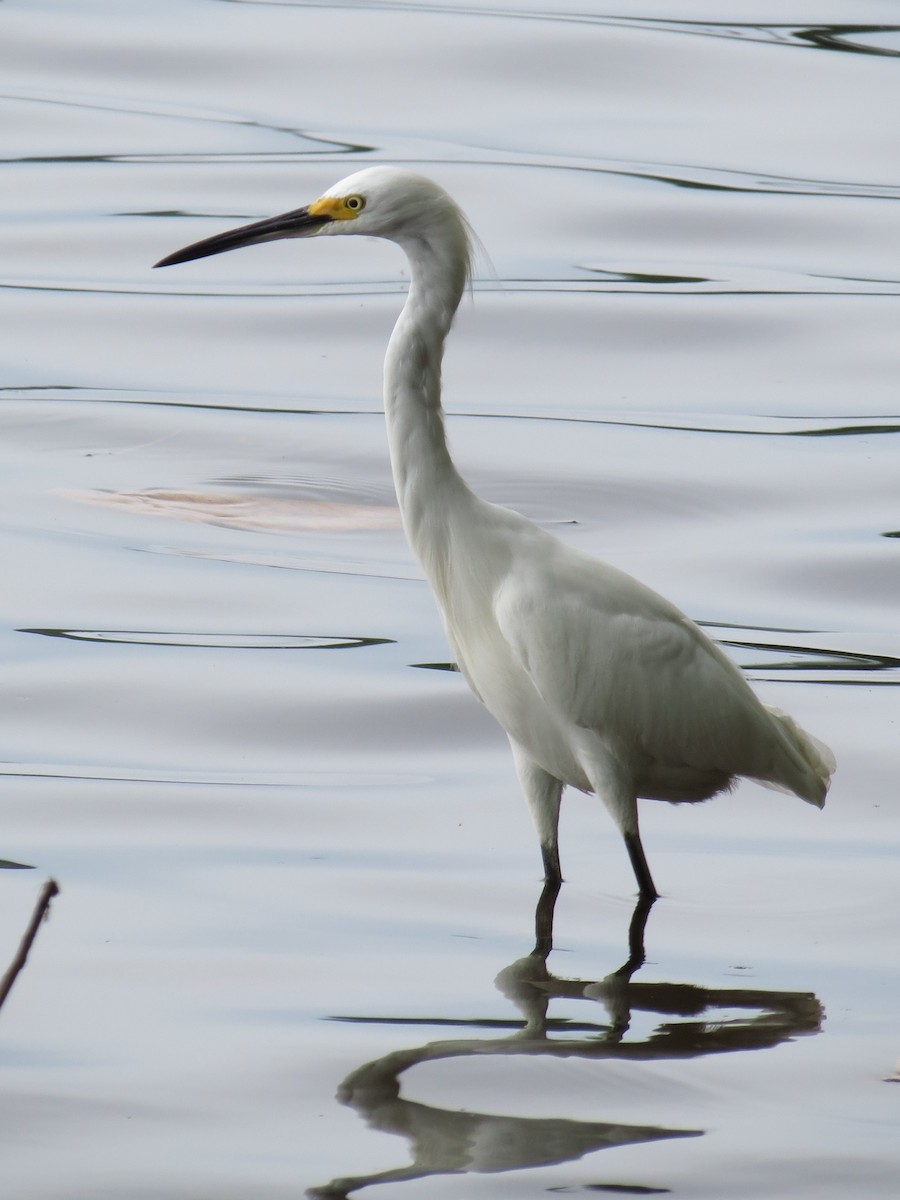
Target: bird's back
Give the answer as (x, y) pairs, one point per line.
(558, 645)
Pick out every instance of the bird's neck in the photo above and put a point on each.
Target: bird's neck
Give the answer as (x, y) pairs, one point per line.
(424, 475)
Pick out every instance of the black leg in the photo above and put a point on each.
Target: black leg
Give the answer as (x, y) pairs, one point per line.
(552, 872)
(543, 919)
(639, 866)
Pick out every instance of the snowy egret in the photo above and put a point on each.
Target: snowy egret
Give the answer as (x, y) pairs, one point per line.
(599, 682)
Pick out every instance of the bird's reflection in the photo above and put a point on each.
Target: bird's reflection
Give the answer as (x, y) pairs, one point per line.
(446, 1142)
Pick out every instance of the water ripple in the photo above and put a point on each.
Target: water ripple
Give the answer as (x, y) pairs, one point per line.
(603, 282)
(772, 658)
(315, 146)
(213, 641)
(844, 38)
(103, 773)
(744, 424)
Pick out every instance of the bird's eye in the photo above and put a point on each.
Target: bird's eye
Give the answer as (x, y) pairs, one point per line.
(355, 203)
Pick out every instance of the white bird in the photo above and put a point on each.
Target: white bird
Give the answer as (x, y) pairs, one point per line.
(599, 682)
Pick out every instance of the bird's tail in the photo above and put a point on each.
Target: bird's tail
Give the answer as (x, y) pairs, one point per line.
(812, 763)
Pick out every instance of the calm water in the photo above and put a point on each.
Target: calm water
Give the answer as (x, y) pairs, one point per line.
(291, 951)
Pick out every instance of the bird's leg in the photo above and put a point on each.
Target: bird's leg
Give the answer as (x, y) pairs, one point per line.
(639, 865)
(552, 869)
(543, 793)
(617, 791)
(543, 919)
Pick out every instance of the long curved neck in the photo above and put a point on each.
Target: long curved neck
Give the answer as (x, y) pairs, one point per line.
(424, 475)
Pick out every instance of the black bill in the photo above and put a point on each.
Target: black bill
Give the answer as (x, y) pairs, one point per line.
(299, 223)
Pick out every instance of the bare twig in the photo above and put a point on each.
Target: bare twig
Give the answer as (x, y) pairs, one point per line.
(41, 909)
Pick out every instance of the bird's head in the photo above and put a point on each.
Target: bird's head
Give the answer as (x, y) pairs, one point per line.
(386, 202)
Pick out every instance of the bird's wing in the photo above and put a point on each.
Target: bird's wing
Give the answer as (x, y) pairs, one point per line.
(608, 654)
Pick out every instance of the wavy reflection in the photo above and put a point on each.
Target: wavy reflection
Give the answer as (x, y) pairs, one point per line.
(211, 641)
(313, 145)
(692, 1021)
(771, 659)
(846, 38)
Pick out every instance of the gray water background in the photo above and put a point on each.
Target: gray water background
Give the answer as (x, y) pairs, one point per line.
(293, 858)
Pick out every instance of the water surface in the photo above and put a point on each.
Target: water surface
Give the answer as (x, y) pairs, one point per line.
(293, 945)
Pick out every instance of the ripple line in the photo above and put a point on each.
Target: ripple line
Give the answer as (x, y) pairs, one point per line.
(212, 641)
(103, 773)
(838, 37)
(814, 663)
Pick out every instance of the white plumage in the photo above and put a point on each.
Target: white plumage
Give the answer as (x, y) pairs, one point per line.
(600, 683)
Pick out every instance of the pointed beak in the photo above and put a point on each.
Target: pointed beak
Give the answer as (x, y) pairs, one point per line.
(298, 223)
